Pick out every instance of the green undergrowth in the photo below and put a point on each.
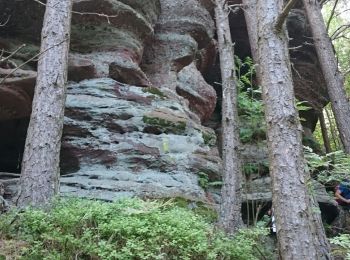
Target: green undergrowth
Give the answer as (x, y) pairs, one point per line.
(328, 169)
(127, 229)
(250, 106)
(341, 246)
(206, 212)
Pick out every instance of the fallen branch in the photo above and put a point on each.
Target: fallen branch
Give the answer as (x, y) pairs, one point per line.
(9, 174)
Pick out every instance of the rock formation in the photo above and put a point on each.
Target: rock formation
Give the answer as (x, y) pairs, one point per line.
(142, 76)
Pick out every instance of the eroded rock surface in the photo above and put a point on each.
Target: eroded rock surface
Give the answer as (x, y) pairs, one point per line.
(121, 140)
(110, 34)
(201, 96)
(183, 27)
(114, 41)
(133, 123)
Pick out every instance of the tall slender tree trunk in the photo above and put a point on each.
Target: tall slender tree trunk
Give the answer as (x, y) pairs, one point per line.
(335, 137)
(252, 28)
(300, 231)
(329, 65)
(39, 180)
(230, 212)
(326, 142)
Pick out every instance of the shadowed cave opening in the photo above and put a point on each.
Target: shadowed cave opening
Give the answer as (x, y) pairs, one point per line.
(12, 140)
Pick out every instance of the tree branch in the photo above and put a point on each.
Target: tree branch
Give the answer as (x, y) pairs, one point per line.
(8, 19)
(332, 14)
(84, 13)
(283, 15)
(26, 62)
(322, 2)
(340, 30)
(12, 54)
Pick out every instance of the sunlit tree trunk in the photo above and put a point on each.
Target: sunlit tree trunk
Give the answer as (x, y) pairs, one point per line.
(332, 127)
(40, 167)
(300, 232)
(329, 65)
(230, 211)
(323, 126)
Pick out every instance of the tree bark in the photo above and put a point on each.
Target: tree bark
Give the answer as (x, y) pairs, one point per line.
(334, 134)
(230, 218)
(329, 65)
(39, 180)
(326, 142)
(252, 28)
(300, 232)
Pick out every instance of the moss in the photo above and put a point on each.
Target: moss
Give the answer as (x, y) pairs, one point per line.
(155, 91)
(209, 138)
(203, 180)
(164, 125)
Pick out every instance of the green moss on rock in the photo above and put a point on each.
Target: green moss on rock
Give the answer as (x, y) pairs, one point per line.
(166, 122)
(209, 138)
(154, 91)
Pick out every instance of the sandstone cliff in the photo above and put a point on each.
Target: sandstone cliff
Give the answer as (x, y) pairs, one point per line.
(142, 88)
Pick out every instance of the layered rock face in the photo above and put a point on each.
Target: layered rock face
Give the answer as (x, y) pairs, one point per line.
(107, 39)
(137, 135)
(122, 140)
(114, 40)
(140, 96)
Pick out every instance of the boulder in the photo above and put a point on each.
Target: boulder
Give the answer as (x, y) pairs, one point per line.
(201, 96)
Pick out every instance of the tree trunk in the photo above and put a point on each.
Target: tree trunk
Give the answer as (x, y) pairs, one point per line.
(230, 212)
(326, 142)
(334, 134)
(329, 65)
(300, 231)
(252, 28)
(39, 180)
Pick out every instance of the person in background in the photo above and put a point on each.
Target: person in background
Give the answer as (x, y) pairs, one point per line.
(272, 223)
(342, 194)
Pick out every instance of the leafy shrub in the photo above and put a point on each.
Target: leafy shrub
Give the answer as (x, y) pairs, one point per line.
(329, 168)
(341, 246)
(127, 229)
(250, 106)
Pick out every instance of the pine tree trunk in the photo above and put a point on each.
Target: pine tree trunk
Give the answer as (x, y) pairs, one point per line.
(39, 180)
(230, 211)
(334, 78)
(252, 28)
(300, 231)
(334, 134)
(323, 126)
